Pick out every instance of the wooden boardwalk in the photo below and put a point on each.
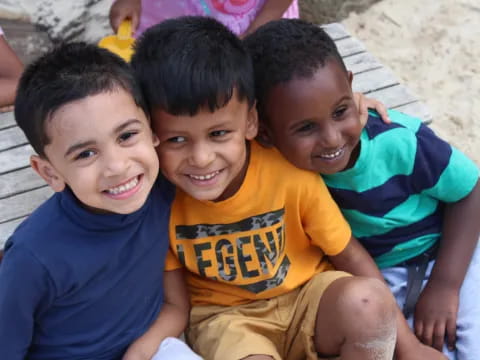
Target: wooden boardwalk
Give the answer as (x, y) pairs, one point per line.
(21, 190)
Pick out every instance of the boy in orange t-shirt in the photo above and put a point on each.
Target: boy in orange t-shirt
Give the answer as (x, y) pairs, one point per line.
(257, 235)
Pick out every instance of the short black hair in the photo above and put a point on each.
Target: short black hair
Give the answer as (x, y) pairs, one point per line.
(286, 49)
(192, 62)
(69, 72)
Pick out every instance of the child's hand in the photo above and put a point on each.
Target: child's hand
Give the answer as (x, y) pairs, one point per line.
(363, 104)
(125, 9)
(6, 108)
(436, 316)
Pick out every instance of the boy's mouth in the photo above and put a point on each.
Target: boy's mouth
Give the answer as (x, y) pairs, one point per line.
(205, 177)
(332, 155)
(125, 187)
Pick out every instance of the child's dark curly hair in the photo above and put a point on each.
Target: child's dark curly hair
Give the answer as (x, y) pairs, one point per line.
(287, 49)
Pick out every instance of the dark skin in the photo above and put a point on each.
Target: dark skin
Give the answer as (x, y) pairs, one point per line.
(437, 307)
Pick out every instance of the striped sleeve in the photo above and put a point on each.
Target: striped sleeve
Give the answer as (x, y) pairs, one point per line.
(442, 171)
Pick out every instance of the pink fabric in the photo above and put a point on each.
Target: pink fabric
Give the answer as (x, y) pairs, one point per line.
(236, 14)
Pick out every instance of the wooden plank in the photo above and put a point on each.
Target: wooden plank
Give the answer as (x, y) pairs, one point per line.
(349, 46)
(19, 181)
(22, 204)
(336, 31)
(7, 228)
(361, 63)
(416, 109)
(374, 80)
(11, 137)
(16, 158)
(6, 120)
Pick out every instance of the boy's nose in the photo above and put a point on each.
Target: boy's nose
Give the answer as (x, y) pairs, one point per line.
(201, 155)
(115, 163)
(330, 138)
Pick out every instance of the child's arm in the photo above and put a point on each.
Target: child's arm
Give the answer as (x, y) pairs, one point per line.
(271, 10)
(125, 9)
(356, 260)
(10, 70)
(171, 321)
(437, 306)
(25, 287)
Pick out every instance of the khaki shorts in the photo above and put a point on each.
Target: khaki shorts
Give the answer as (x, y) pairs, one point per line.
(282, 327)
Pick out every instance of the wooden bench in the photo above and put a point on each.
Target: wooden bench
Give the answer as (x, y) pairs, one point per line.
(21, 190)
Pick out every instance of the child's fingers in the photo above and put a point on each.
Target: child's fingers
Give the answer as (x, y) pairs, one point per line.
(6, 108)
(451, 329)
(438, 337)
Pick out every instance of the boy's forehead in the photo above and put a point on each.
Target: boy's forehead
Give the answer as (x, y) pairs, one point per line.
(88, 115)
(233, 111)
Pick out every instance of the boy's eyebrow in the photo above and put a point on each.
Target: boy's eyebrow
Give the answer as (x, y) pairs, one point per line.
(77, 146)
(84, 144)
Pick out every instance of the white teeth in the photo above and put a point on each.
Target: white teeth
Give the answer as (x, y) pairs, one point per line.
(125, 187)
(332, 155)
(204, 177)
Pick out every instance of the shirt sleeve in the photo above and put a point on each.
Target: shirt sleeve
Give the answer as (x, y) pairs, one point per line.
(440, 170)
(172, 262)
(23, 285)
(322, 218)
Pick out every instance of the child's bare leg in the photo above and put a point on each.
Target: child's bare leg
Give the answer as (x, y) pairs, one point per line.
(258, 357)
(356, 319)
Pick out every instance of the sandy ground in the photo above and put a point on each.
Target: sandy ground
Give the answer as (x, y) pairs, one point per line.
(433, 46)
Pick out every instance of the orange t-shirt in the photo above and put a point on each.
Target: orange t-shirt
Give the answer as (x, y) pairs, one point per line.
(266, 240)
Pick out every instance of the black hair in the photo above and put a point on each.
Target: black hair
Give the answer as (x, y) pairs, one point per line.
(70, 72)
(286, 49)
(192, 62)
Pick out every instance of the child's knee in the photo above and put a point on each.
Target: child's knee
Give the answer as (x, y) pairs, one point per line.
(367, 302)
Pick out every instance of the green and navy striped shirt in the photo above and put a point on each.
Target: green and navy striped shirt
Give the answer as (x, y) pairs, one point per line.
(394, 195)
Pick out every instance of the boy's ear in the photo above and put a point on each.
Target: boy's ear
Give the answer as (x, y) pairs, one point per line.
(350, 77)
(43, 168)
(264, 136)
(252, 123)
(155, 139)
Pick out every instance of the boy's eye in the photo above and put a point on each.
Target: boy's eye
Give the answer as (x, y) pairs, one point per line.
(305, 127)
(85, 154)
(176, 139)
(339, 112)
(127, 135)
(218, 133)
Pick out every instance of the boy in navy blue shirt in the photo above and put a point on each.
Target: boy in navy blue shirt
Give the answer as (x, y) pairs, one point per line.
(83, 277)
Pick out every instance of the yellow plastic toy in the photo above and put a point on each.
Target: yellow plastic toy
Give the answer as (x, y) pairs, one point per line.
(121, 43)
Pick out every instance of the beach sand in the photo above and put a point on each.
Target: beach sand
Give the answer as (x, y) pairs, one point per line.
(433, 46)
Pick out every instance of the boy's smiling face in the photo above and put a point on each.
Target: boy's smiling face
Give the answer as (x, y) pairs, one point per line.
(102, 147)
(314, 121)
(206, 154)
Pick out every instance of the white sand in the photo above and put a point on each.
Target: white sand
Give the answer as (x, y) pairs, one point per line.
(433, 46)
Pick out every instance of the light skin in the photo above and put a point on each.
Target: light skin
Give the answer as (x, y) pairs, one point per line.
(206, 155)
(322, 136)
(131, 9)
(103, 149)
(10, 70)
